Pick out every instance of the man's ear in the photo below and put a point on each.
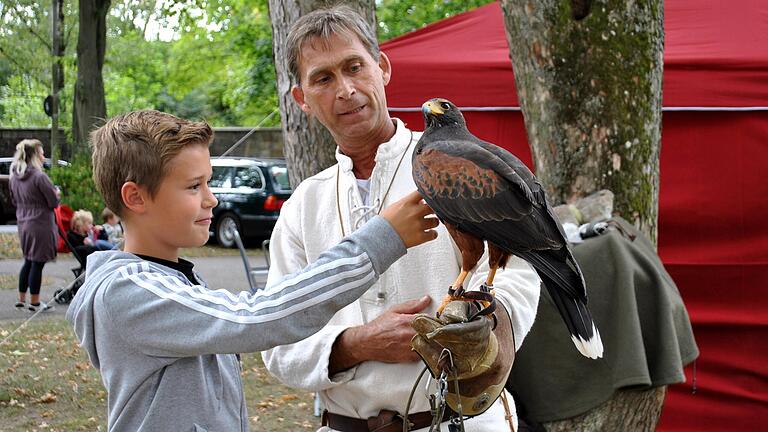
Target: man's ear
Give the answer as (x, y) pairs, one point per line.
(386, 68)
(134, 197)
(298, 96)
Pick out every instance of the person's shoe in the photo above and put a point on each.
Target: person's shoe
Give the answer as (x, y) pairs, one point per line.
(40, 306)
(20, 306)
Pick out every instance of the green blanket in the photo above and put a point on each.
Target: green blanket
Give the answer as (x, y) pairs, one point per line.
(643, 322)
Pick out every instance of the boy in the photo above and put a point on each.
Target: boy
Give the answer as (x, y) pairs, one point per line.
(162, 341)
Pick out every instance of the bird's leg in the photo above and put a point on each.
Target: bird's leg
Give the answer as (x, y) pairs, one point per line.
(472, 249)
(460, 280)
(497, 257)
(454, 292)
(489, 279)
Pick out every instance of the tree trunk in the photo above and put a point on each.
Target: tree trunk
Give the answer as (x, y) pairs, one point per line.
(57, 74)
(90, 107)
(627, 410)
(590, 92)
(309, 147)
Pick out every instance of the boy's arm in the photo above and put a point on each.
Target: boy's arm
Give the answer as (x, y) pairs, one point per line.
(304, 364)
(170, 318)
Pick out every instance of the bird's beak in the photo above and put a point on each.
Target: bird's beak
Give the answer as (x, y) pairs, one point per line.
(432, 107)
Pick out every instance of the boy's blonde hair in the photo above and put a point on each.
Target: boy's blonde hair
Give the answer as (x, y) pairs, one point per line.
(137, 147)
(81, 218)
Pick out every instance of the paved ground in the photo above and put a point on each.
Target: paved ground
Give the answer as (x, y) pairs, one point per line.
(219, 272)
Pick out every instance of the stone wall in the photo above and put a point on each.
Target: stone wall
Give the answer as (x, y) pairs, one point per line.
(264, 142)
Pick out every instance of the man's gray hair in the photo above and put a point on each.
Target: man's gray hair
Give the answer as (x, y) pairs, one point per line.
(321, 24)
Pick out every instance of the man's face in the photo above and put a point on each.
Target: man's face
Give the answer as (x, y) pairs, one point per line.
(181, 210)
(343, 87)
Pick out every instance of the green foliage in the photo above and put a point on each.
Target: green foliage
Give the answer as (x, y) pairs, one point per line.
(199, 59)
(397, 17)
(76, 183)
(25, 62)
(22, 99)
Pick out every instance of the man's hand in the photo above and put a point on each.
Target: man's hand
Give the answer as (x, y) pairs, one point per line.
(409, 216)
(385, 339)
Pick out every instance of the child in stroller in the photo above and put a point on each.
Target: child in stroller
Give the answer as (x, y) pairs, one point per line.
(84, 236)
(64, 215)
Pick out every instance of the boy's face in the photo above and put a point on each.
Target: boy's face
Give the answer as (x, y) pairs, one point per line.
(180, 213)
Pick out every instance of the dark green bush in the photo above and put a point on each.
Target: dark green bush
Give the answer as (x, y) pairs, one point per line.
(77, 188)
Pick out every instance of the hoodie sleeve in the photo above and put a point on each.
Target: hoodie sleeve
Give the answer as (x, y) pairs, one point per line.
(171, 318)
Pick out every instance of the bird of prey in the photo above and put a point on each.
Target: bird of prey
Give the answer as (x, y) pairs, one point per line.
(482, 192)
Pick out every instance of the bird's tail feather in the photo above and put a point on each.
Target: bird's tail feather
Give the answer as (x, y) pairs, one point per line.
(579, 322)
(564, 283)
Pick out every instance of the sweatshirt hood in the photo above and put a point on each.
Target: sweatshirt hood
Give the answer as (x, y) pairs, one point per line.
(100, 270)
(25, 175)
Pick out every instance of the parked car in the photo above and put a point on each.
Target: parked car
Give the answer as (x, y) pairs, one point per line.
(7, 209)
(251, 192)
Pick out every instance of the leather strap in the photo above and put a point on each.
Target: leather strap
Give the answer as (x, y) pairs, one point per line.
(386, 421)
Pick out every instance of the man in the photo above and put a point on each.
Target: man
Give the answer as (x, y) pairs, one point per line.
(361, 363)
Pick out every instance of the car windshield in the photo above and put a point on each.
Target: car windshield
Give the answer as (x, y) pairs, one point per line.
(280, 174)
(221, 177)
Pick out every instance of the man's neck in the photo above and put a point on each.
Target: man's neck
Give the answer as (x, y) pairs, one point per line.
(363, 151)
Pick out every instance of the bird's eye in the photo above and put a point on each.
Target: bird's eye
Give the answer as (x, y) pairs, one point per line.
(445, 106)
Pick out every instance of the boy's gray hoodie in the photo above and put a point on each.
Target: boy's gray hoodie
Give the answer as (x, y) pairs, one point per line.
(165, 347)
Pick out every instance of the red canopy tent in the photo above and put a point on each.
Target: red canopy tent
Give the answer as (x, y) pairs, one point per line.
(712, 236)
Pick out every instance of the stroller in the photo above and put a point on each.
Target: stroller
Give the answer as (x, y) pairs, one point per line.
(63, 222)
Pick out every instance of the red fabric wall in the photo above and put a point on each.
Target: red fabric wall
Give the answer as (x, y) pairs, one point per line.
(713, 240)
(713, 204)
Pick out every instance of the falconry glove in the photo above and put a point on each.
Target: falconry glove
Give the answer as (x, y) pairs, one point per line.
(477, 350)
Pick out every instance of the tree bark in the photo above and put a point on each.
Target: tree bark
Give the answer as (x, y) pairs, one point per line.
(627, 410)
(309, 147)
(57, 74)
(590, 91)
(90, 107)
(589, 85)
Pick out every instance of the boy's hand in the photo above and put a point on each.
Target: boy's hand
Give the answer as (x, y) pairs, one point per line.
(410, 218)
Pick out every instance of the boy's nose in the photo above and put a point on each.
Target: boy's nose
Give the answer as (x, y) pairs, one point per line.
(210, 200)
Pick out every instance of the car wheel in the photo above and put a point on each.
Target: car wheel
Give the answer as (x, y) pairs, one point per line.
(224, 230)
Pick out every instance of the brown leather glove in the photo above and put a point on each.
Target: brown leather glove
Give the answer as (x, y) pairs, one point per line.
(481, 355)
(472, 345)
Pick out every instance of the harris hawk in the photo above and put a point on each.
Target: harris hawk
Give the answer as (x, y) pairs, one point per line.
(482, 192)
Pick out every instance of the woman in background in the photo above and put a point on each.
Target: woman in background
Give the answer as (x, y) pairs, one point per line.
(35, 197)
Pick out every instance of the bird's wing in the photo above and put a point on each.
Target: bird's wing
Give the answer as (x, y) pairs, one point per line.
(480, 194)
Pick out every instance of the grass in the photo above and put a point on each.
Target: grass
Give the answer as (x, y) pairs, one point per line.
(48, 384)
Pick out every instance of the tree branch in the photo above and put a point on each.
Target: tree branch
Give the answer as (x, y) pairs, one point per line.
(22, 68)
(31, 30)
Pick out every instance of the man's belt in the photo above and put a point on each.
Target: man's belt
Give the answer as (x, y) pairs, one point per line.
(386, 421)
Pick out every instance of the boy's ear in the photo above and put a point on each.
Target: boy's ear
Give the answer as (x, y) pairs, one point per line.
(134, 197)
